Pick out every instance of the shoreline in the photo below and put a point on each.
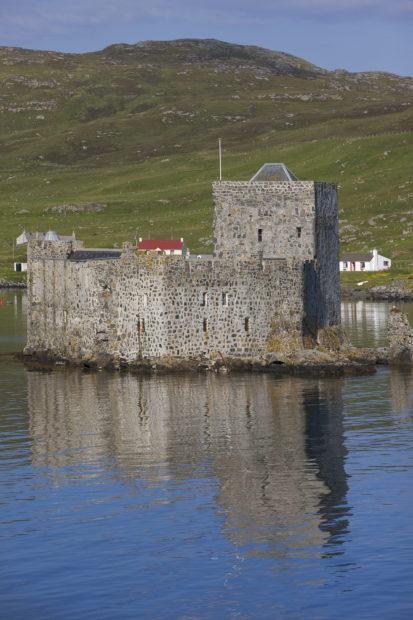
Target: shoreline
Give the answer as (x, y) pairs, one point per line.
(311, 363)
(395, 291)
(12, 284)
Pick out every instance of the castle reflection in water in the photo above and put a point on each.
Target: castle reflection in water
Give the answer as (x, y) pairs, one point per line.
(273, 446)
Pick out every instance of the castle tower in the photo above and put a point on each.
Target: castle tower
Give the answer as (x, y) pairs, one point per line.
(274, 215)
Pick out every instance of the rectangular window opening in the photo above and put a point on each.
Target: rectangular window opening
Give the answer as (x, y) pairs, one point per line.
(224, 299)
(247, 324)
(141, 326)
(260, 231)
(204, 299)
(205, 326)
(299, 231)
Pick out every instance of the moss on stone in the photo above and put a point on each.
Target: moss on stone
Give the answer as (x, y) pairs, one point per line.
(284, 338)
(331, 338)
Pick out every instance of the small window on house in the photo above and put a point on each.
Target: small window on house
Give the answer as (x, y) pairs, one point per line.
(362, 265)
(386, 263)
(205, 326)
(299, 231)
(141, 326)
(204, 299)
(260, 231)
(247, 324)
(224, 299)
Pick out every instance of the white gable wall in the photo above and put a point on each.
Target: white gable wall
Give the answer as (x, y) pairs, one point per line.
(382, 263)
(377, 263)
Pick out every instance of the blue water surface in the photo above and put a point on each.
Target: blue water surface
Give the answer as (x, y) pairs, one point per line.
(203, 496)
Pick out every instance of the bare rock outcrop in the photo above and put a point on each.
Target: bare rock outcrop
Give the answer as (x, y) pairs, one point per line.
(400, 336)
(90, 207)
(395, 291)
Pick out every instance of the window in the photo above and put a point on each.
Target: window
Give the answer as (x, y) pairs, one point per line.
(386, 263)
(299, 231)
(362, 265)
(205, 326)
(224, 299)
(141, 326)
(260, 231)
(247, 324)
(204, 299)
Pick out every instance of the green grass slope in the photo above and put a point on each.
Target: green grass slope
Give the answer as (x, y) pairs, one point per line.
(136, 127)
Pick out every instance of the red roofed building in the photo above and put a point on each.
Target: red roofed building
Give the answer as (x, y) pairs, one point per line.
(169, 247)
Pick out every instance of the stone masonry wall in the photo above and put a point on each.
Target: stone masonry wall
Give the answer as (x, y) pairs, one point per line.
(327, 250)
(298, 220)
(322, 278)
(283, 211)
(260, 290)
(152, 307)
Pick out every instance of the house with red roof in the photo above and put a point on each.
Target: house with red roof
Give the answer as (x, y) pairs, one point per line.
(170, 247)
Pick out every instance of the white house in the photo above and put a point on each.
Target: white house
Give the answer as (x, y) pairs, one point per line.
(364, 261)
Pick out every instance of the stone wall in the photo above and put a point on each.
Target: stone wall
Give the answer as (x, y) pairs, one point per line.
(273, 279)
(44, 250)
(154, 306)
(298, 220)
(322, 276)
(283, 211)
(327, 249)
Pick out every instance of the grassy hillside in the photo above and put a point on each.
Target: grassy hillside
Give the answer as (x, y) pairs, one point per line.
(136, 128)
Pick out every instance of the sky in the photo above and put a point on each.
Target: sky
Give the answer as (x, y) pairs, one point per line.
(357, 35)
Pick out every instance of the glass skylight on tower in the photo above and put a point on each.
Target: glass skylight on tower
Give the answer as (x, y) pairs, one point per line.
(274, 172)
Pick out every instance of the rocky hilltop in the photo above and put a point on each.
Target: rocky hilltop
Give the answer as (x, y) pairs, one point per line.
(135, 127)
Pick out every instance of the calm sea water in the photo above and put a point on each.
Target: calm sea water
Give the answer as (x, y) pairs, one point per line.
(205, 496)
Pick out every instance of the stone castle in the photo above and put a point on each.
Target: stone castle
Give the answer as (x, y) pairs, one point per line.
(272, 283)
